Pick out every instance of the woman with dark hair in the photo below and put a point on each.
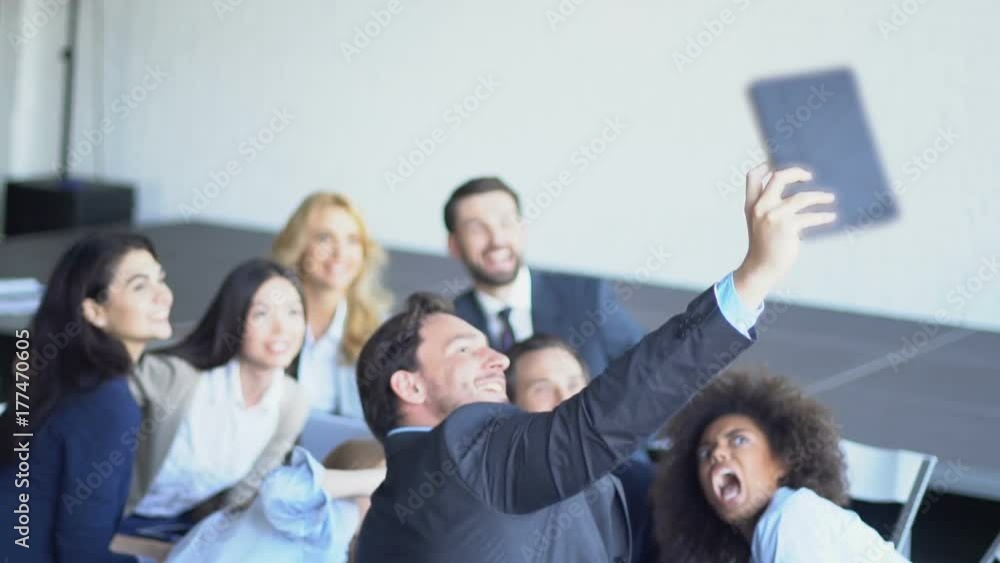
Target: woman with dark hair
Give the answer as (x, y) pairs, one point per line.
(220, 410)
(65, 475)
(755, 473)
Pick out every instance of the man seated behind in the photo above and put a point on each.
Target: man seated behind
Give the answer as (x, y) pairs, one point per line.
(510, 301)
(545, 371)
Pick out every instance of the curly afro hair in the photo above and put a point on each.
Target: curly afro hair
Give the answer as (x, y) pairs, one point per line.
(800, 431)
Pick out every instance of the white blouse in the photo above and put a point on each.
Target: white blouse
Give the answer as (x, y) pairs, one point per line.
(216, 444)
(330, 382)
(800, 525)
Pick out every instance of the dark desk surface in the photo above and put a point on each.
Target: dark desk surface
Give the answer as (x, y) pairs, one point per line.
(943, 401)
(196, 257)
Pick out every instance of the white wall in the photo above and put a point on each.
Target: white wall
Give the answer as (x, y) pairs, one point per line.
(40, 30)
(659, 185)
(9, 19)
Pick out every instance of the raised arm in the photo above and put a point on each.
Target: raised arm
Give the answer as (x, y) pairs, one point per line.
(520, 462)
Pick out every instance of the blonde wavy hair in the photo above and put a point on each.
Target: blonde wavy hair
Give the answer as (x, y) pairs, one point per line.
(367, 300)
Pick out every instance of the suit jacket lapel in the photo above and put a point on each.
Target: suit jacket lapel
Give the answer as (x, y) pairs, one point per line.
(467, 306)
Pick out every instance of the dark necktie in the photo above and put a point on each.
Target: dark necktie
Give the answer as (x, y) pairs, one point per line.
(506, 331)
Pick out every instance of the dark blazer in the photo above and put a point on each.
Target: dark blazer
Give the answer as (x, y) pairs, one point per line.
(80, 465)
(495, 484)
(586, 312)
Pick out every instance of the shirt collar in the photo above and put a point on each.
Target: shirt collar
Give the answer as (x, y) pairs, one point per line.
(403, 429)
(335, 331)
(519, 298)
(271, 396)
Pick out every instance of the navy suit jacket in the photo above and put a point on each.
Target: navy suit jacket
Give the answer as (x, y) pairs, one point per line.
(80, 468)
(586, 312)
(494, 484)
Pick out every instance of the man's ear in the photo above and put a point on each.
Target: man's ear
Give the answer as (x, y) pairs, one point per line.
(408, 386)
(93, 313)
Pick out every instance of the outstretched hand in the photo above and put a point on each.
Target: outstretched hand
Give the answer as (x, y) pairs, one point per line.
(775, 224)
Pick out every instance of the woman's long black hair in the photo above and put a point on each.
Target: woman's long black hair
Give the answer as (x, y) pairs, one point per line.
(67, 354)
(218, 337)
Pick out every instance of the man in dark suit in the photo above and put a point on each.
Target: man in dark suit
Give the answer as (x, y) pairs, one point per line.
(510, 302)
(472, 478)
(544, 371)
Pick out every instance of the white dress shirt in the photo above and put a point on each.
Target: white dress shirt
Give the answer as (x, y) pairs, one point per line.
(800, 525)
(329, 380)
(216, 444)
(519, 301)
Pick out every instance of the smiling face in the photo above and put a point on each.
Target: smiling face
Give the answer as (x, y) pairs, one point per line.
(136, 306)
(275, 325)
(738, 471)
(456, 367)
(488, 237)
(546, 378)
(334, 253)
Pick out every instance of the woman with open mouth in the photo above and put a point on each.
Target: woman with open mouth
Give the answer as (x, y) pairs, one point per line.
(755, 473)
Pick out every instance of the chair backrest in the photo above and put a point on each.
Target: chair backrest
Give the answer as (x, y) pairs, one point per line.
(891, 476)
(993, 553)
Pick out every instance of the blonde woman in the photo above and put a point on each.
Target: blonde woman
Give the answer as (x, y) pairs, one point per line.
(328, 243)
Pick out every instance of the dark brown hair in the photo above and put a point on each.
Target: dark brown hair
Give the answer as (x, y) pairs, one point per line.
(473, 187)
(218, 336)
(393, 347)
(800, 431)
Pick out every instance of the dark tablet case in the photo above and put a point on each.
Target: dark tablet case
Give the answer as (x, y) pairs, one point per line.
(831, 138)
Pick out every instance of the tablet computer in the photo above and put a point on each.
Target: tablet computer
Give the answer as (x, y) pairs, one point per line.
(817, 121)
